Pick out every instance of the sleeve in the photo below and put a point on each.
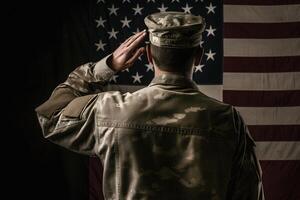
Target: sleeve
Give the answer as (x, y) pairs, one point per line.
(67, 118)
(246, 174)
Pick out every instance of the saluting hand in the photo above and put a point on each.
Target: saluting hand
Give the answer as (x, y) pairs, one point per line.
(128, 52)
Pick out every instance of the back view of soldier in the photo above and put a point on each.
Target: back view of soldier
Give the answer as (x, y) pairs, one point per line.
(167, 141)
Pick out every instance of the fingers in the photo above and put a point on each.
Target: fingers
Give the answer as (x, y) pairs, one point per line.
(128, 52)
(134, 44)
(126, 41)
(135, 56)
(137, 42)
(133, 39)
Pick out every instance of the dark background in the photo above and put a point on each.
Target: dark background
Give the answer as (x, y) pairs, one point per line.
(45, 40)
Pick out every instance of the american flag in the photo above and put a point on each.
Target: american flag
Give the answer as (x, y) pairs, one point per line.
(261, 73)
(262, 79)
(117, 20)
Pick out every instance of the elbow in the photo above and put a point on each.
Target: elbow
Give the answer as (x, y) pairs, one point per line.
(47, 127)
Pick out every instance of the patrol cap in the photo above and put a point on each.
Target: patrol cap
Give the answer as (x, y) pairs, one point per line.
(175, 29)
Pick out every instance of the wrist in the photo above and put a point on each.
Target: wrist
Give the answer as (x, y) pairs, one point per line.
(110, 64)
(103, 69)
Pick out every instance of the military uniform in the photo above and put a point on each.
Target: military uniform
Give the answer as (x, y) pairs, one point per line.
(165, 141)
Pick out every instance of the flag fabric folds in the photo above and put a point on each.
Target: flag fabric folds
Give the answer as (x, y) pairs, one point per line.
(262, 79)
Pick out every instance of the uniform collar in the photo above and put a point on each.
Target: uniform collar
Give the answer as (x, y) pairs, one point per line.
(173, 80)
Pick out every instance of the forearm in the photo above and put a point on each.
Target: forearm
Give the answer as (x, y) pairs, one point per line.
(89, 77)
(68, 117)
(84, 80)
(69, 112)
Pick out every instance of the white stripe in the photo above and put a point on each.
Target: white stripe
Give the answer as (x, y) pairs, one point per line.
(278, 150)
(261, 47)
(270, 115)
(261, 14)
(262, 81)
(214, 91)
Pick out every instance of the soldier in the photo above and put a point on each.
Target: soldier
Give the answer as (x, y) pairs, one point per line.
(166, 141)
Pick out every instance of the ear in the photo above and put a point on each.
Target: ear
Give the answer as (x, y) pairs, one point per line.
(149, 55)
(198, 56)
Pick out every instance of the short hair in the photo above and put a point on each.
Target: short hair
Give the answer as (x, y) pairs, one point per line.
(172, 59)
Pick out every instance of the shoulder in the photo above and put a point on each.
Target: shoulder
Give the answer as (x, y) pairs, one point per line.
(215, 104)
(223, 116)
(78, 105)
(84, 103)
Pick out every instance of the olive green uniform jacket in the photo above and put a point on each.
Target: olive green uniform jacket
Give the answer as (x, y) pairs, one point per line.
(166, 141)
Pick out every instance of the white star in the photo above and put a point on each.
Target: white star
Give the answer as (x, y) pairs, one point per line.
(149, 67)
(187, 9)
(137, 78)
(137, 30)
(199, 68)
(210, 55)
(98, 1)
(126, 1)
(210, 8)
(113, 10)
(114, 78)
(100, 22)
(175, 0)
(100, 45)
(138, 9)
(210, 31)
(162, 8)
(125, 22)
(150, 1)
(113, 33)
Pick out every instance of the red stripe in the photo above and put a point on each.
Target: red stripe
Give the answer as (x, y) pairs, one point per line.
(262, 64)
(281, 179)
(95, 179)
(275, 132)
(262, 98)
(262, 30)
(258, 2)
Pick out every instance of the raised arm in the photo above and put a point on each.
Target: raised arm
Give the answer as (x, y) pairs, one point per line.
(67, 118)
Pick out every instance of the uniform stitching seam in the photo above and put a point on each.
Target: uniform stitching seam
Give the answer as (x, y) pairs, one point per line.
(182, 130)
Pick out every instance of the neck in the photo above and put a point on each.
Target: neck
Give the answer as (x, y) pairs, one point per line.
(188, 73)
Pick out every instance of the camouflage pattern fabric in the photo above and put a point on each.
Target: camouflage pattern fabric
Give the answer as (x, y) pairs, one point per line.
(167, 141)
(175, 29)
